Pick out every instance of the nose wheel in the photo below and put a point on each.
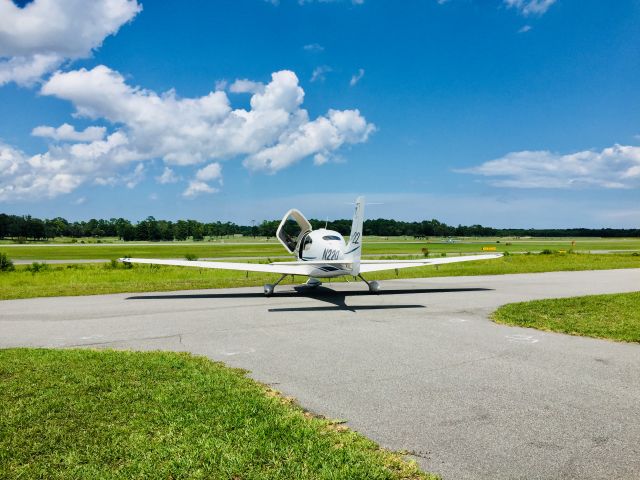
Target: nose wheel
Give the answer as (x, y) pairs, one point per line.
(313, 282)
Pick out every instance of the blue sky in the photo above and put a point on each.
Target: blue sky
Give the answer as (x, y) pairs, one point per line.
(516, 113)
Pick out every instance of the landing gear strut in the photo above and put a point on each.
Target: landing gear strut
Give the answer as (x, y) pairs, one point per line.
(374, 287)
(270, 287)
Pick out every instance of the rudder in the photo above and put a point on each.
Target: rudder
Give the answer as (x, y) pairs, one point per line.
(354, 247)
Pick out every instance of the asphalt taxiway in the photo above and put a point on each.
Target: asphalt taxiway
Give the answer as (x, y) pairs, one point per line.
(418, 368)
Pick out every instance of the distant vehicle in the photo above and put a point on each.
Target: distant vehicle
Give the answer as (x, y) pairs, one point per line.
(319, 254)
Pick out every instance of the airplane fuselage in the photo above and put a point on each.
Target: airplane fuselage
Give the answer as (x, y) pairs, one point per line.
(323, 244)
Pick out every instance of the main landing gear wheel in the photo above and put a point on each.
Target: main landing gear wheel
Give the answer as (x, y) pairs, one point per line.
(270, 287)
(374, 287)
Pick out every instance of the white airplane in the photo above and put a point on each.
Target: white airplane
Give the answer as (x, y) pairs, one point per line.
(319, 254)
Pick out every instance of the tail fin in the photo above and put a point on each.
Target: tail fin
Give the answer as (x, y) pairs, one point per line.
(354, 247)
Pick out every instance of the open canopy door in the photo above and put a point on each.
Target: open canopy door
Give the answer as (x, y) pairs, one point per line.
(292, 228)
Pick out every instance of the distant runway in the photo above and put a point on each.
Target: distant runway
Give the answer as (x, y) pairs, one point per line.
(418, 368)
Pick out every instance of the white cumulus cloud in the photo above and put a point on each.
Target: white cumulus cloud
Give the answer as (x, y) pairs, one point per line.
(168, 176)
(25, 176)
(613, 167)
(357, 77)
(246, 86)
(320, 73)
(66, 132)
(26, 70)
(65, 167)
(135, 177)
(196, 187)
(320, 159)
(313, 47)
(212, 171)
(38, 38)
(530, 7)
(272, 134)
(199, 185)
(320, 136)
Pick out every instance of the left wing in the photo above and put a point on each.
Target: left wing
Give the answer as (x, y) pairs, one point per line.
(378, 265)
(283, 269)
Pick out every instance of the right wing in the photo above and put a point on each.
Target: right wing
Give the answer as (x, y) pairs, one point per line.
(284, 269)
(378, 265)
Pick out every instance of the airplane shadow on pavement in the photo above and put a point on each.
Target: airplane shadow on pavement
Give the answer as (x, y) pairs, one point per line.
(336, 298)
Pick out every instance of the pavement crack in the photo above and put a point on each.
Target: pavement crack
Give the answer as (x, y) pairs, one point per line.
(418, 453)
(139, 339)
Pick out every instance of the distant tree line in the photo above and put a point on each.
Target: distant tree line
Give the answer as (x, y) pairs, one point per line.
(27, 227)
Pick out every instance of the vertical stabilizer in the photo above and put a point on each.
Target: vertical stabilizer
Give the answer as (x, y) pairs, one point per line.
(354, 247)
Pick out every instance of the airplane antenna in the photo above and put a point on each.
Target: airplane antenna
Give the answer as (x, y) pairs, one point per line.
(326, 223)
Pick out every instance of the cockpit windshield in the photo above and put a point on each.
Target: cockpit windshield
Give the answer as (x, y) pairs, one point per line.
(331, 237)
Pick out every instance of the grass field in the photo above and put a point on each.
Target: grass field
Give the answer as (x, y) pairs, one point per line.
(615, 317)
(260, 247)
(89, 279)
(106, 414)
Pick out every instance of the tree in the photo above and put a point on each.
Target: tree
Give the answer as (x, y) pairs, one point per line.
(268, 228)
(5, 221)
(16, 226)
(181, 230)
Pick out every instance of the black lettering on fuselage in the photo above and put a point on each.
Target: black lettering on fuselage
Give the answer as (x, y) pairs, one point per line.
(330, 254)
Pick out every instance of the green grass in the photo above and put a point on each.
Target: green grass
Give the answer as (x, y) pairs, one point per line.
(90, 279)
(150, 250)
(106, 414)
(616, 317)
(260, 247)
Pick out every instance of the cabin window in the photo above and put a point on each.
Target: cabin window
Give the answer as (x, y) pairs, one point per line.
(307, 242)
(331, 237)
